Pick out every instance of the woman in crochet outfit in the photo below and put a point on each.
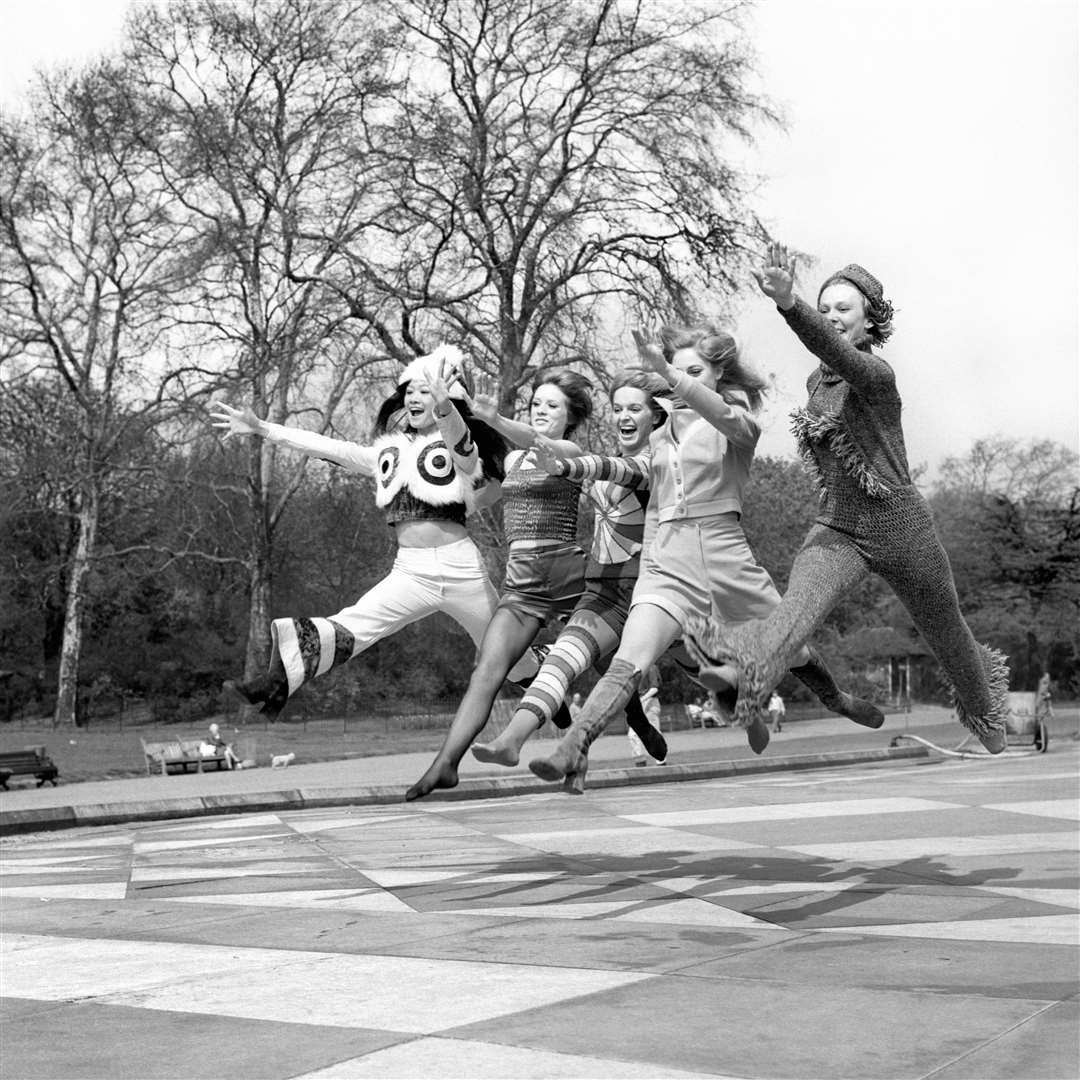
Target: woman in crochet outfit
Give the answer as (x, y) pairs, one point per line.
(434, 463)
(872, 517)
(697, 562)
(619, 489)
(545, 567)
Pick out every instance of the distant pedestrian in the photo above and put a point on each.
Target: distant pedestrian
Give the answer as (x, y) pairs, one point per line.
(776, 710)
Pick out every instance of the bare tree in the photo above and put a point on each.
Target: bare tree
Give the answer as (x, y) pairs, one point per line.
(91, 250)
(556, 167)
(267, 108)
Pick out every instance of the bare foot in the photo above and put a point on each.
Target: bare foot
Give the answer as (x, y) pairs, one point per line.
(439, 775)
(494, 754)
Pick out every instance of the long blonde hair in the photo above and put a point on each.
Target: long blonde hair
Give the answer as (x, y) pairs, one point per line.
(719, 348)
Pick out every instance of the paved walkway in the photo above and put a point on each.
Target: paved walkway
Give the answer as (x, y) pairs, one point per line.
(909, 919)
(697, 754)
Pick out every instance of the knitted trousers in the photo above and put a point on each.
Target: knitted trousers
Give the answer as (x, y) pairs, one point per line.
(894, 538)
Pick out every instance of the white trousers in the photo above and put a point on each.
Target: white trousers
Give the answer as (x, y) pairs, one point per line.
(450, 578)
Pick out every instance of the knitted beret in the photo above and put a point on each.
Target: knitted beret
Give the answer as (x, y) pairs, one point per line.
(861, 278)
(878, 308)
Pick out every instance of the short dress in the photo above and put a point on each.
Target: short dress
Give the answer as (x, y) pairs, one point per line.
(542, 582)
(697, 561)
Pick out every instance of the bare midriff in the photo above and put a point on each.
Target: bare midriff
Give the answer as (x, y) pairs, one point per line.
(428, 533)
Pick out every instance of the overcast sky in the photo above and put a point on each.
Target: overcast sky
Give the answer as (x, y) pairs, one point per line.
(933, 141)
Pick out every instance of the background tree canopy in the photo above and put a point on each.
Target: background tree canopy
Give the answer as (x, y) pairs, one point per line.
(279, 203)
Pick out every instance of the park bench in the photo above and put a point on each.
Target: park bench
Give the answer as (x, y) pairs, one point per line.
(29, 761)
(165, 754)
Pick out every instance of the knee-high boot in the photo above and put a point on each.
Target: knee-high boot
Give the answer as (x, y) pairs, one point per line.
(570, 760)
(271, 690)
(817, 678)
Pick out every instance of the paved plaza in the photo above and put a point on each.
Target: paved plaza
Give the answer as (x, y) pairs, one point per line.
(913, 918)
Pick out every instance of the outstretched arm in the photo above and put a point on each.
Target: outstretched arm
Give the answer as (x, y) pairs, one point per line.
(776, 279)
(733, 421)
(631, 472)
(349, 455)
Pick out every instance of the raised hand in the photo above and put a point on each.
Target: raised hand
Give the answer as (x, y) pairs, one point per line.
(484, 404)
(235, 421)
(776, 278)
(547, 455)
(650, 355)
(439, 378)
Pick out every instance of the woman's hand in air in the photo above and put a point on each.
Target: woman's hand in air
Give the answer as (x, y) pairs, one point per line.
(548, 455)
(235, 421)
(484, 404)
(776, 278)
(650, 355)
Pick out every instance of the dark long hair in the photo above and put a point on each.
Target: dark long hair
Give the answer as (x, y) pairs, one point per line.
(490, 445)
(577, 390)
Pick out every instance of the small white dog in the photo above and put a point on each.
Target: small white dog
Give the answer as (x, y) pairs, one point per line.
(281, 761)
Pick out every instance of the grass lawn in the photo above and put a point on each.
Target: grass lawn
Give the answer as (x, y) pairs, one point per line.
(104, 753)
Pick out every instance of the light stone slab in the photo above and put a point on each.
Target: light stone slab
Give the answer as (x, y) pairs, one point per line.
(90, 890)
(351, 990)
(792, 811)
(547, 910)
(1036, 930)
(148, 847)
(621, 842)
(221, 870)
(327, 899)
(329, 824)
(1068, 809)
(693, 912)
(57, 969)
(938, 847)
(396, 879)
(436, 1059)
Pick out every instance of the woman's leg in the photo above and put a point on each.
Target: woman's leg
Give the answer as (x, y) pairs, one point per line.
(586, 640)
(649, 630)
(827, 566)
(979, 675)
(508, 635)
(306, 648)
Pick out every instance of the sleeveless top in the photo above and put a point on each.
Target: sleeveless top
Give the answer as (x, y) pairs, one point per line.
(538, 506)
(415, 480)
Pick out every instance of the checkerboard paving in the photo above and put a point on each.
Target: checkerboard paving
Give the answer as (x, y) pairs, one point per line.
(896, 921)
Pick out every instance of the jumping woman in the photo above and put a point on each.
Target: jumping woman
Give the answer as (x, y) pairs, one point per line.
(433, 463)
(697, 562)
(545, 568)
(619, 489)
(872, 520)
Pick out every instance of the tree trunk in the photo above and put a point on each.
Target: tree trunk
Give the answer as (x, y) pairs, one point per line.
(260, 576)
(67, 690)
(257, 656)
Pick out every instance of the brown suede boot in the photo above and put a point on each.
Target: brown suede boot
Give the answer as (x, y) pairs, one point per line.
(570, 760)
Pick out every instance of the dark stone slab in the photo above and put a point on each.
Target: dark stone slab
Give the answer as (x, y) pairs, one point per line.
(93, 1041)
(740, 1027)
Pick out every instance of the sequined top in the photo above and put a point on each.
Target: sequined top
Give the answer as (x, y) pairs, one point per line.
(538, 506)
(405, 506)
